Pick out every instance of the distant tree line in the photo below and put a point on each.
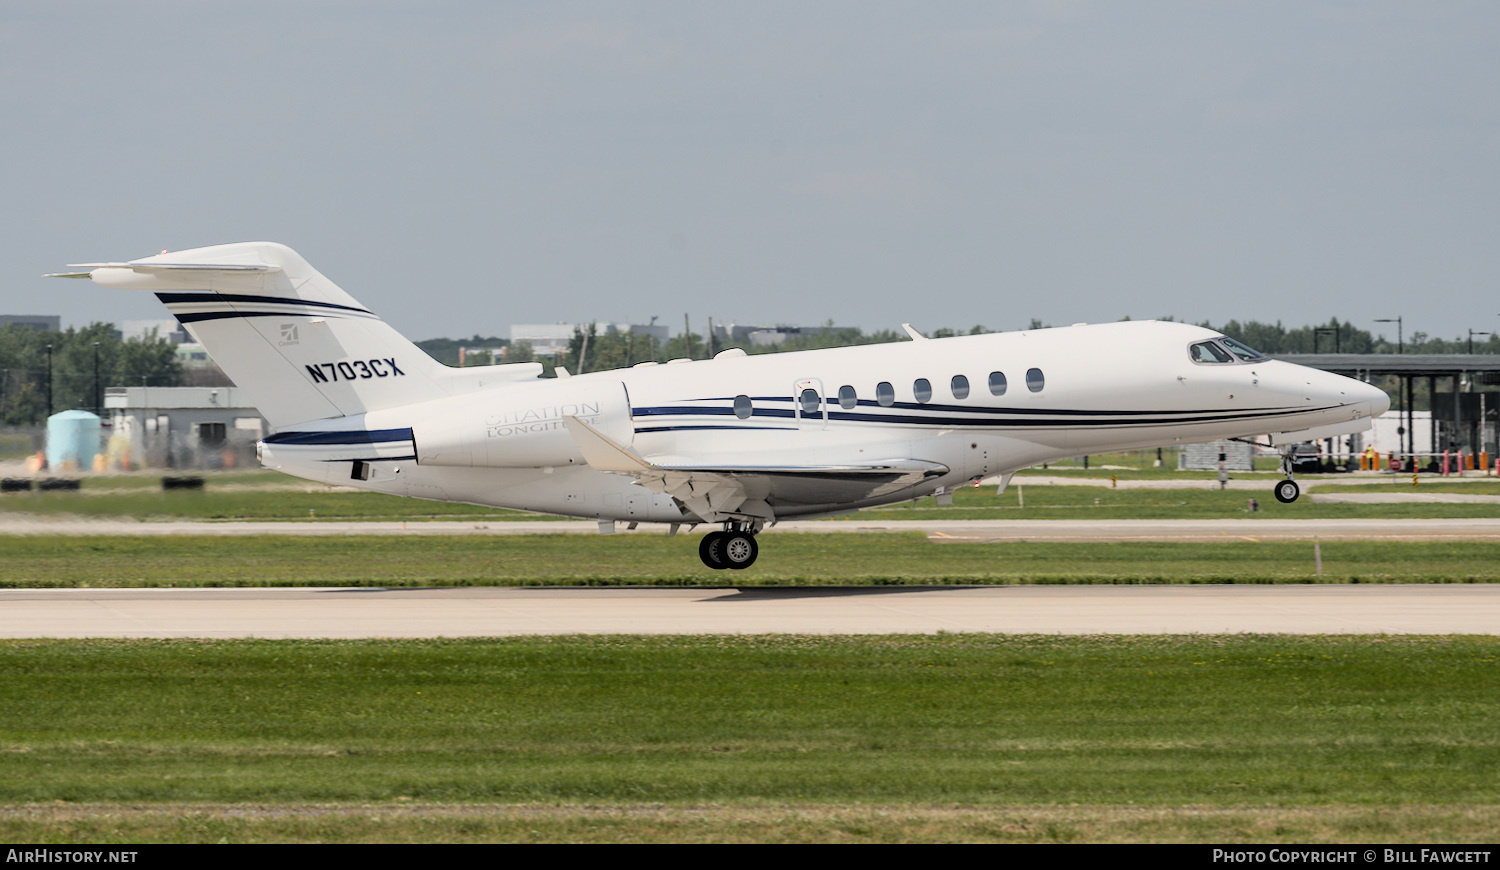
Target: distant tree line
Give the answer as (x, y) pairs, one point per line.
(590, 350)
(1345, 337)
(445, 350)
(150, 360)
(603, 351)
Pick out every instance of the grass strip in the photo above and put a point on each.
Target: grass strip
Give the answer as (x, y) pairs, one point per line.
(112, 498)
(244, 504)
(654, 823)
(903, 558)
(981, 721)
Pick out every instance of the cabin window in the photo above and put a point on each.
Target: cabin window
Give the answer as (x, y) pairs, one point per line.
(1208, 352)
(885, 394)
(742, 407)
(847, 397)
(960, 387)
(810, 402)
(923, 390)
(1244, 352)
(1034, 380)
(997, 383)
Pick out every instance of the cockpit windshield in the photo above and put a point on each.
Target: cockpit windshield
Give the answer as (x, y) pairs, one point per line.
(1208, 352)
(1213, 352)
(1242, 351)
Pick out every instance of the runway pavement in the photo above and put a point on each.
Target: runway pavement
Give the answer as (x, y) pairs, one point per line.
(473, 612)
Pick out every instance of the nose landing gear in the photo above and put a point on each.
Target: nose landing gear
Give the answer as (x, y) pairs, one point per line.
(1287, 490)
(735, 547)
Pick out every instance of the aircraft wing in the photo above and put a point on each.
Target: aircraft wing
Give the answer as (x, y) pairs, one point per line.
(722, 492)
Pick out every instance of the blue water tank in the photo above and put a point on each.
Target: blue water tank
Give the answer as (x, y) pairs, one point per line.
(72, 436)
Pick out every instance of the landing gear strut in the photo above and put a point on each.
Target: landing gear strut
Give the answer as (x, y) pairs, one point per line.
(734, 547)
(1287, 490)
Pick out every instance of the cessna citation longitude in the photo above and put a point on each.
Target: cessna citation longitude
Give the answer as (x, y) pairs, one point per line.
(742, 441)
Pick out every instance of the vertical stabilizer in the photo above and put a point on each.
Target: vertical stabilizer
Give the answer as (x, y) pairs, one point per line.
(302, 348)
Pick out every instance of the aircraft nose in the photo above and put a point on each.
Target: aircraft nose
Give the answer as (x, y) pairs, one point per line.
(1379, 401)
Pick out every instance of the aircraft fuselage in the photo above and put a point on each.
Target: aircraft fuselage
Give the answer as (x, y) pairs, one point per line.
(970, 406)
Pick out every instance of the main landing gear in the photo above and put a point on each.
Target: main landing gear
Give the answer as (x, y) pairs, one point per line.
(1287, 490)
(734, 547)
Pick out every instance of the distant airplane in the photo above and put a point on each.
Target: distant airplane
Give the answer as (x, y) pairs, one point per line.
(737, 441)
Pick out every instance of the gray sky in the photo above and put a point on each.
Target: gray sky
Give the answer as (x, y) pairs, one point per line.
(459, 167)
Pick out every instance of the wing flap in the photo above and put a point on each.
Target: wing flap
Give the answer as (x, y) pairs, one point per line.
(719, 492)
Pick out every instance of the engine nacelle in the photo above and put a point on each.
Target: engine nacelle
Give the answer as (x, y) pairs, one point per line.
(517, 426)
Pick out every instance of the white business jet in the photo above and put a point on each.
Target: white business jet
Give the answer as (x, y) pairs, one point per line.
(737, 441)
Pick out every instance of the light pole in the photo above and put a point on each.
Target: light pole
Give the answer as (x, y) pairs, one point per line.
(1400, 348)
(98, 402)
(1473, 333)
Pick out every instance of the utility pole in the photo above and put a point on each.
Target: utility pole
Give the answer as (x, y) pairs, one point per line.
(687, 334)
(98, 398)
(1473, 333)
(49, 380)
(1400, 345)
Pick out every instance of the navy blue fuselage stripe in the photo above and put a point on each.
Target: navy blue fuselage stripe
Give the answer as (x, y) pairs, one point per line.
(1076, 418)
(232, 298)
(347, 437)
(664, 410)
(412, 458)
(1046, 424)
(640, 429)
(225, 315)
(983, 423)
(707, 412)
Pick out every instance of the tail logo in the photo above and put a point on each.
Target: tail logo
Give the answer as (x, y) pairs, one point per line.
(288, 334)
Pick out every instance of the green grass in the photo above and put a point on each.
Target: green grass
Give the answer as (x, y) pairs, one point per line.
(1138, 465)
(955, 720)
(151, 481)
(654, 560)
(1427, 484)
(243, 504)
(126, 497)
(425, 822)
(15, 446)
(1040, 502)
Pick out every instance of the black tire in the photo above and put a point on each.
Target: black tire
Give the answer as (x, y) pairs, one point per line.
(711, 550)
(739, 550)
(1287, 491)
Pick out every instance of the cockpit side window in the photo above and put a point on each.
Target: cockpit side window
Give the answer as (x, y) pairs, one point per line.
(1242, 351)
(1208, 352)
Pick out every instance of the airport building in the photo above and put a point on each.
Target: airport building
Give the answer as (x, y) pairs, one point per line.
(38, 322)
(186, 427)
(1463, 415)
(551, 339)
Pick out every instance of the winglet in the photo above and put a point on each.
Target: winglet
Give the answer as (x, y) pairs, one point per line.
(601, 453)
(912, 331)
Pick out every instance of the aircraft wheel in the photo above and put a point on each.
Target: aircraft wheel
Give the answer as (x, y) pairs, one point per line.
(1287, 491)
(711, 550)
(739, 550)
